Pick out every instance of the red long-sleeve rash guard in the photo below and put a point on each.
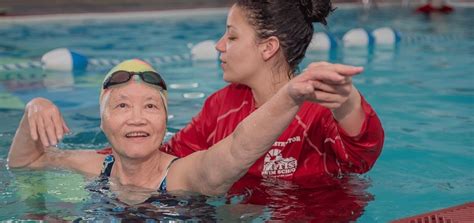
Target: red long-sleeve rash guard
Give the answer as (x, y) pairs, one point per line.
(313, 144)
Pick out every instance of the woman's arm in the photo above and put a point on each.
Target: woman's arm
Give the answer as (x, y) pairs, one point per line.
(213, 171)
(348, 152)
(41, 127)
(194, 136)
(353, 133)
(350, 115)
(336, 92)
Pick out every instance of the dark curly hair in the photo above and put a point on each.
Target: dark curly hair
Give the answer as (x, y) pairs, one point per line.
(291, 21)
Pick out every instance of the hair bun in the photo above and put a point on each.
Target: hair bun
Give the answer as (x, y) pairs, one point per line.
(316, 11)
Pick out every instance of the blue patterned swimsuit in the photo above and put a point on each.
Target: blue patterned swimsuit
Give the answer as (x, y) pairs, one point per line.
(109, 163)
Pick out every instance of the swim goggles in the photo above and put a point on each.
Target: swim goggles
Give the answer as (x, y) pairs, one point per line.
(121, 76)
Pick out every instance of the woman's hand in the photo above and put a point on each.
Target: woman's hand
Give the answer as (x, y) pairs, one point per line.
(45, 121)
(328, 84)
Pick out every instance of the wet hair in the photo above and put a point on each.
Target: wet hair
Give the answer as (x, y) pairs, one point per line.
(291, 21)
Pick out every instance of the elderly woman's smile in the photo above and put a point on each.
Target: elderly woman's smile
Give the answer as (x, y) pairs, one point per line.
(137, 134)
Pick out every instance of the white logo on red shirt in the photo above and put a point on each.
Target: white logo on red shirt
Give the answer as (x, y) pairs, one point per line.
(289, 141)
(276, 166)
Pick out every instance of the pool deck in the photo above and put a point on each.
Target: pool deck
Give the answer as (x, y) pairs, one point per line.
(48, 7)
(14, 8)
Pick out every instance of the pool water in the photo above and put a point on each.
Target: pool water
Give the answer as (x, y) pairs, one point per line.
(423, 91)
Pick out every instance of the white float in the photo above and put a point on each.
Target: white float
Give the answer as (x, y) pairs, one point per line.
(358, 38)
(386, 36)
(204, 51)
(323, 41)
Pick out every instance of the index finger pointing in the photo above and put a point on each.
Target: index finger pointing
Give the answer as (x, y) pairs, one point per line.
(346, 70)
(328, 76)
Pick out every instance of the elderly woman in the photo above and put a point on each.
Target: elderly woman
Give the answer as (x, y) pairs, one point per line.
(133, 105)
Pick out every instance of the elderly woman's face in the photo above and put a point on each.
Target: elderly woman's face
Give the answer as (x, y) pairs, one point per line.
(134, 119)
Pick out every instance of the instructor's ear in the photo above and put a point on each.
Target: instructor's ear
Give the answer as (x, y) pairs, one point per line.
(269, 47)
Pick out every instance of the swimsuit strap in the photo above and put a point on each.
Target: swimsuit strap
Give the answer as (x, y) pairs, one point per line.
(109, 163)
(107, 166)
(162, 187)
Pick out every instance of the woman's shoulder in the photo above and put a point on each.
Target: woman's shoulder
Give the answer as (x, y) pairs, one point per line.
(85, 161)
(104, 151)
(231, 91)
(234, 88)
